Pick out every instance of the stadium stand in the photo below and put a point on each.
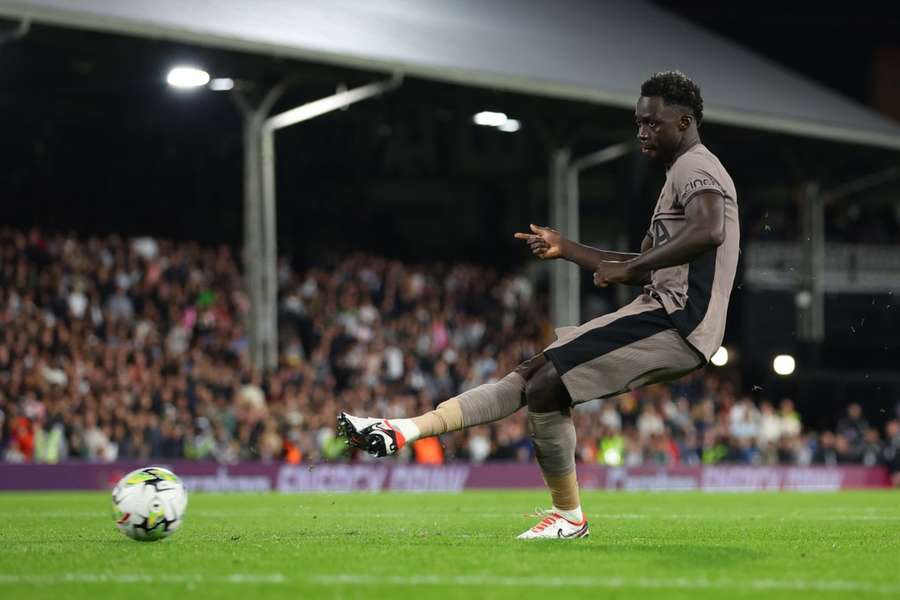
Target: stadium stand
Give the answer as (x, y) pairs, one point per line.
(115, 348)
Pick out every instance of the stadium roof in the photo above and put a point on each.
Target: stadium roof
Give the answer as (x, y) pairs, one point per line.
(577, 49)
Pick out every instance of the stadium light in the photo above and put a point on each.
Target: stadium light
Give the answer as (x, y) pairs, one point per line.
(490, 119)
(498, 120)
(187, 77)
(784, 364)
(720, 358)
(510, 126)
(221, 84)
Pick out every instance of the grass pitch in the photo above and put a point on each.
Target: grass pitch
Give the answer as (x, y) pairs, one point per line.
(678, 545)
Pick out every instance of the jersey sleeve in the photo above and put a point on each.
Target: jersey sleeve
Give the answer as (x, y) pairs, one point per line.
(693, 177)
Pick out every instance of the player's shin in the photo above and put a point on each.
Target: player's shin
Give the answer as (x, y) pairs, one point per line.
(482, 404)
(554, 442)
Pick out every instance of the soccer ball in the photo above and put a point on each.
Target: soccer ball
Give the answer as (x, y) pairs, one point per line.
(149, 504)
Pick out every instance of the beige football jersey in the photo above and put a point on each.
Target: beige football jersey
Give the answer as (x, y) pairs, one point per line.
(696, 294)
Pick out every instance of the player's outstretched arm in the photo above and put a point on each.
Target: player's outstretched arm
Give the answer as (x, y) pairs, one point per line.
(545, 242)
(704, 230)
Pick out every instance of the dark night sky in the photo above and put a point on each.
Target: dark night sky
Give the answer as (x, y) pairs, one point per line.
(832, 43)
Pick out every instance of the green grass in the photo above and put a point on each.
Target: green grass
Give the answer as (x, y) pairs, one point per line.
(679, 545)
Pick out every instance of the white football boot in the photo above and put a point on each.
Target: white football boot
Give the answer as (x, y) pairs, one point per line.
(376, 436)
(554, 526)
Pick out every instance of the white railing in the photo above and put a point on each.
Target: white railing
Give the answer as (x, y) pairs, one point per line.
(849, 268)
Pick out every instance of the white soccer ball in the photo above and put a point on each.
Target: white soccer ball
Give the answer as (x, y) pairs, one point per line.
(149, 504)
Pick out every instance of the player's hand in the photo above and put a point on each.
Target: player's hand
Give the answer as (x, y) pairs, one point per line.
(543, 241)
(614, 271)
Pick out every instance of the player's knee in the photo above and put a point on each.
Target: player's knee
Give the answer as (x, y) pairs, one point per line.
(545, 392)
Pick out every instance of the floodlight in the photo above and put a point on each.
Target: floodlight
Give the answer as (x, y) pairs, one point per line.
(720, 358)
(221, 84)
(489, 118)
(784, 364)
(187, 77)
(510, 126)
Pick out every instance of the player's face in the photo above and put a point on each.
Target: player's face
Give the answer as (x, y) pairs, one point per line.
(659, 128)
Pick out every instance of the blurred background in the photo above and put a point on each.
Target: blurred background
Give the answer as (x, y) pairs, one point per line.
(157, 301)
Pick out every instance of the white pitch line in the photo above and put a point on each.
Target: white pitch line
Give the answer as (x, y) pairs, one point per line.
(742, 516)
(593, 515)
(684, 583)
(496, 514)
(64, 578)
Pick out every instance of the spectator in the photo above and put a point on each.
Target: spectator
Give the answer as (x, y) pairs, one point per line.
(744, 420)
(769, 425)
(871, 451)
(853, 427)
(21, 447)
(826, 453)
(845, 452)
(891, 451)
(136, 349)
(789, 419)
(649, 423)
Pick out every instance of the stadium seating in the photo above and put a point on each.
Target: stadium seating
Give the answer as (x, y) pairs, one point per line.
(117, 348)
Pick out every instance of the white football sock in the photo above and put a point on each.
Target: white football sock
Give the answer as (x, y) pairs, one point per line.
(575, 515)
(407, 429)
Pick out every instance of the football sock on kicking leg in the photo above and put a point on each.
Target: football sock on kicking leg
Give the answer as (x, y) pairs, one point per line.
(554, 443)
(446, 417)
(564, 492)
(483, 404)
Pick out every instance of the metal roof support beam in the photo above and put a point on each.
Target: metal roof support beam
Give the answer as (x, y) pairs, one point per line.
(16, 34)
(565, 206)
(861, 184)
(343, 99)
(811, 295)
(565, 288)
(260, 223)
(260, 327)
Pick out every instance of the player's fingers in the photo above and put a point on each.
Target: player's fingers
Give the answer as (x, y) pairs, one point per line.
(536, 228)
(529, 238)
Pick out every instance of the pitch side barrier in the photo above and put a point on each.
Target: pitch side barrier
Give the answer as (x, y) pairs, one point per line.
(202, 476)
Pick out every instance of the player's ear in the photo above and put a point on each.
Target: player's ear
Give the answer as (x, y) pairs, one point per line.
(685, 121)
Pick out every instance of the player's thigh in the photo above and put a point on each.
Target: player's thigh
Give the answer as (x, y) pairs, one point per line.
(629, 363)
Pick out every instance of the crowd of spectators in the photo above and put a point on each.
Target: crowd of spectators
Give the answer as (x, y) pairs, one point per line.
(116, 348)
